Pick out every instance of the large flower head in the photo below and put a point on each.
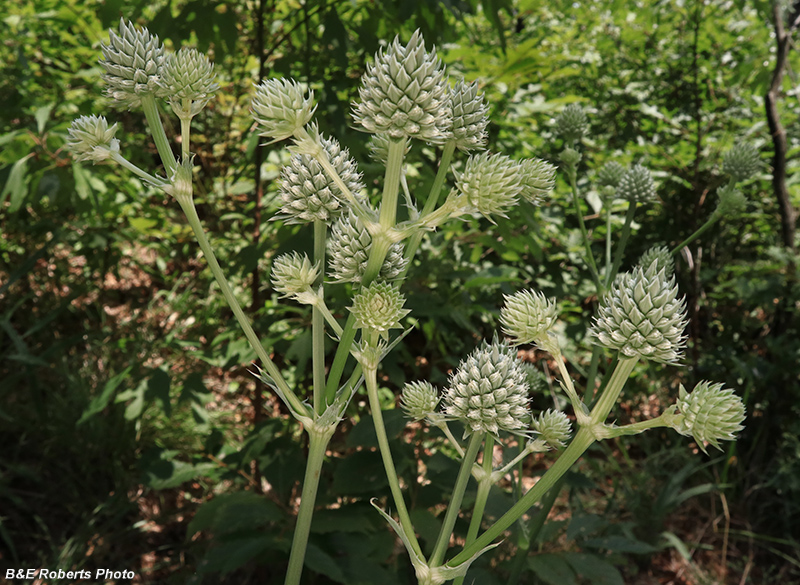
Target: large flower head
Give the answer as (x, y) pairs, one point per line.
(348, 250)
(527, 316)
(710, 414)
(490, 183)
(188, 81)
(280, 107)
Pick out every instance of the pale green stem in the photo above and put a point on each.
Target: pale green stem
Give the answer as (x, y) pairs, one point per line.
(623, 241)
(665, 420)
(186, 133)
(326, 313)
(454, 507)
(318, 321)
(147, 177)
(150, 108)
(700, 231)
(273, 371)
(391, 183)
(593, 365)
(371, 380)
(584, 233)
(318, 443)
(608, 238)
(442, 424)
(582, 441)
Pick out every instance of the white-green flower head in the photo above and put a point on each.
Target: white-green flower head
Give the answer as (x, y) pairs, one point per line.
(527, 316)
(538, 179)
(536, 379)
(469, 116)
(348, 250)
(404, 94)
(572, 123)
(553, 426)
(307, 192)
(610, 174)
(133, 61)
(378, 146)
(280, 107)
(379, 307)
(188, 76)
(293, 274)
(661, 256)
(490, 183)
(637, 185)
(91, 138)
(641, 316)
(419, 400)
(710, 414)
(731, 201)
(741, 162)
(489, 391)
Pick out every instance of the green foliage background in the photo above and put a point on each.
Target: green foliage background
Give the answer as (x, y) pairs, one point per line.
(133, 435)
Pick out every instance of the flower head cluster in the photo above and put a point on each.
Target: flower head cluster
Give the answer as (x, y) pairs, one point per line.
(489, 392)
(571, 123)
(642, 317)
(280, 107)
(188, 81)
(91, 138)
(404, 93)
(741, 162)
(379, 307)
(348, 249)
(133, 62)
(637, 185)
(527, 316)
(419, 400)
(307, 192)
(469, 116)
(293, 275)
(553, 426)
(710, 414)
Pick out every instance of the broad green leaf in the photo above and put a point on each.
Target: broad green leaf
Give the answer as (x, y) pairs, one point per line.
(552, 569)
(229, 513)
(99, 402)
(321, 562)
(594, 569)
(17, 185)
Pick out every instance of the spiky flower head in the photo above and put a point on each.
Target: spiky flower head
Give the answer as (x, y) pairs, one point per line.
(661, 256)
(527, 316)
(133, 62)
(280, 107)
(348, 250)
(419, 400)
(489, 391)
(469, 116)
(731, 201)
(637, 185)
(610, 174)
(293, 275)
(553, 426)
(91, 138)
(572, 123)
(741, 162)
(642, 317)
(308, 193)
(490, 183)
(379, 307)
(710, 414)
(188, 81)
(404, 93)
(538, 179)
(378, 146)
(537, 381)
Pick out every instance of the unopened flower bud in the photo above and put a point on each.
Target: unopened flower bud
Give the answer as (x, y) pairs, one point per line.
(280, 108)
(741, 162)
(731, 201)
(553, 426)
(610, 174)
(527, 316)
(572, 123)
(188, 81)
(92, 139)
(293, 275)
(637, 185)
(538, 179)
(710, 414)
(570, 157)
(379, 307)
(661, 256)
(419, 400)
(469, 116)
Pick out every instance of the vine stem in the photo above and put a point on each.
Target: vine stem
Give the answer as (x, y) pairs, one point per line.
(194, 221)
(584, 233)
(318, 321)
(454, 507)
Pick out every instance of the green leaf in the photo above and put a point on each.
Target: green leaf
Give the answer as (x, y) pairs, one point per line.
(321, 562)
(352, 518)
(363, 434)
(158, 386)
(162, 472)
(621, 544)
(552, 569)
(16, 185)
(42, 114)
(594, 569)
(231, 554)
(583, 525)
(99, 402)
(360, 473)
(236, 512)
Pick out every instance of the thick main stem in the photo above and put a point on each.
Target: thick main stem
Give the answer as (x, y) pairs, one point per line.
(150, 108)
(318, 321)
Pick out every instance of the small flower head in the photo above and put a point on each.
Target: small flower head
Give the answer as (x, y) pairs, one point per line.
(404, 94)
(637, 185)
(91, 138)
(490, 183)
(188, 81)
(538, 179)
(731, 201)
(527, 316)
(710, 414)
(469, 116)
(642, 317)
(293, 275)
(572, 123)
(741, 162)
(280, 107)
(379, 307)
(307, 192)
(419, 400)
(378, 146)
(489, 392)
(610, 174)
(661, 256)
(537, 381)
(133, 62)
(553, 426)
(348, 250)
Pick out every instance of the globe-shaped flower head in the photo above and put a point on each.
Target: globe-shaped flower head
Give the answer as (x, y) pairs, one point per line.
(91, 138)
(379, 307)
(610, 174)
(489, 391)
(637, 185)
(348, 250)
(404, 93)
(741, 162)
(490, 183)
(527, 316)
(187, 79)
(280, 107)
(642, 317)
(710, 414)
(469, 116)
(419, 400)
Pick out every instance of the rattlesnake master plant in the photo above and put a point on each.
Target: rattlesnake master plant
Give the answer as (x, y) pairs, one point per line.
(406, 95)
